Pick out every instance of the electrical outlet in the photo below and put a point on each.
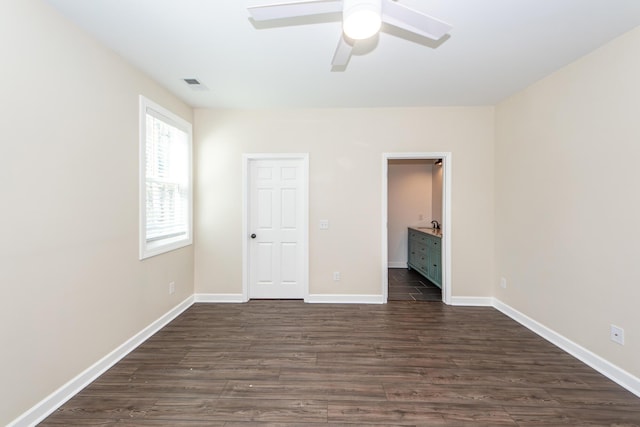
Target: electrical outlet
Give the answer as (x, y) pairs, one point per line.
(324, 224)
(503, 283)
(172, 288)
(336, 276)
(617, 334)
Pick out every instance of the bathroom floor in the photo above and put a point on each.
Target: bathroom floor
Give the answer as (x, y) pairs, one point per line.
(408, 285)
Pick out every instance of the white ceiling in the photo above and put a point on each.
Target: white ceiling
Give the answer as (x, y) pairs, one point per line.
(496, 48)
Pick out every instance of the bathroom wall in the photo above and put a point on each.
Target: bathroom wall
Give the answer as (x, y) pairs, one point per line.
(409, 204)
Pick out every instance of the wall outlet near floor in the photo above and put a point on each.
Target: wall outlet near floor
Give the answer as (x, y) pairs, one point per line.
(617, 334)
(172, 288)
(503, 283)
(336, 276)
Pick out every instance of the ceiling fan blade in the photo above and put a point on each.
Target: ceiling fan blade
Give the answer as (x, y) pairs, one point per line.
(343, 53)
(411, 20)
(291, 10)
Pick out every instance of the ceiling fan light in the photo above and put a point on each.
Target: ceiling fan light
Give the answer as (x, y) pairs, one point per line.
(362, 18)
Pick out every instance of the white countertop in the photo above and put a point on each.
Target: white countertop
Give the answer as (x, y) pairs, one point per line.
(428, 230)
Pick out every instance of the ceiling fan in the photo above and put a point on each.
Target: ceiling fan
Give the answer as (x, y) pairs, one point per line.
(361, 19)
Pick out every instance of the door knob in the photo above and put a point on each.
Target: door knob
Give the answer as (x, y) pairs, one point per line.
(253, 236)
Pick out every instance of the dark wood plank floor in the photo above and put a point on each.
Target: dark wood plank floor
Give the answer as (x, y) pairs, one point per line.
(409, 285)
(288, 363)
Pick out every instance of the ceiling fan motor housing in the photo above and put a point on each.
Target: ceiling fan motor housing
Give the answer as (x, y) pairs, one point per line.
(361, 18)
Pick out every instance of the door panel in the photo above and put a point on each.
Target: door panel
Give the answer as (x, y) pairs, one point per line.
(264, 263)
(276, 256)
(288, 209)
(265, 200)
(288, 266)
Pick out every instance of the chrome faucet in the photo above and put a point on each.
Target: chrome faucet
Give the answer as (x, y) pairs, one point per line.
(436, 225)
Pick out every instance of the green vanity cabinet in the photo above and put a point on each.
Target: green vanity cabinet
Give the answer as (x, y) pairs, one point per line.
(425, 254)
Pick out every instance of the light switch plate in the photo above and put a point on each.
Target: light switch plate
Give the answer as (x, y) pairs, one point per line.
(324, 224)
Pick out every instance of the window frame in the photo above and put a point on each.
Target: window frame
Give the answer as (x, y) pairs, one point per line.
(148, 249)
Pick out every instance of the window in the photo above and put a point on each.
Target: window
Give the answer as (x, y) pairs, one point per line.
(165, 180)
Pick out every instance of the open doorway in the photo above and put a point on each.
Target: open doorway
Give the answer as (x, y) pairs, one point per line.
(414, 215)
(416, 224)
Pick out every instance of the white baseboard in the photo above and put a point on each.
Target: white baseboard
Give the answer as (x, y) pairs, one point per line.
(472, 301)
(56, 399)
(606, 368)
(314, 298)
(396, 264)
(343, 299)
(212, 298)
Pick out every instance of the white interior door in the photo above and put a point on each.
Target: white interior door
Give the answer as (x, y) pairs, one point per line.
(276, 228)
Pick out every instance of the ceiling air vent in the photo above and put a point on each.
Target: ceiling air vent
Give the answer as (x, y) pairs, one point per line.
(195, 84)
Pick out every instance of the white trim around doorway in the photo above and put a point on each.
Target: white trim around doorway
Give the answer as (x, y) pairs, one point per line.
(446, 217)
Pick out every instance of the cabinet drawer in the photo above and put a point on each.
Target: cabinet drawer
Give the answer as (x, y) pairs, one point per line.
(420, 248)
(414, 235)
(422, 238)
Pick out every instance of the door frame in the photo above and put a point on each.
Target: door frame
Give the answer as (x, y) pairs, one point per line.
(446, 217)
(246, 182)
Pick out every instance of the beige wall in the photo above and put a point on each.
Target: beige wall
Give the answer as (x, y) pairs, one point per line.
(567, 200)
(345, 149)
(72, 286)
(409, 203)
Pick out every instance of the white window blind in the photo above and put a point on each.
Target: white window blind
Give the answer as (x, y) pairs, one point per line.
(166, 206)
